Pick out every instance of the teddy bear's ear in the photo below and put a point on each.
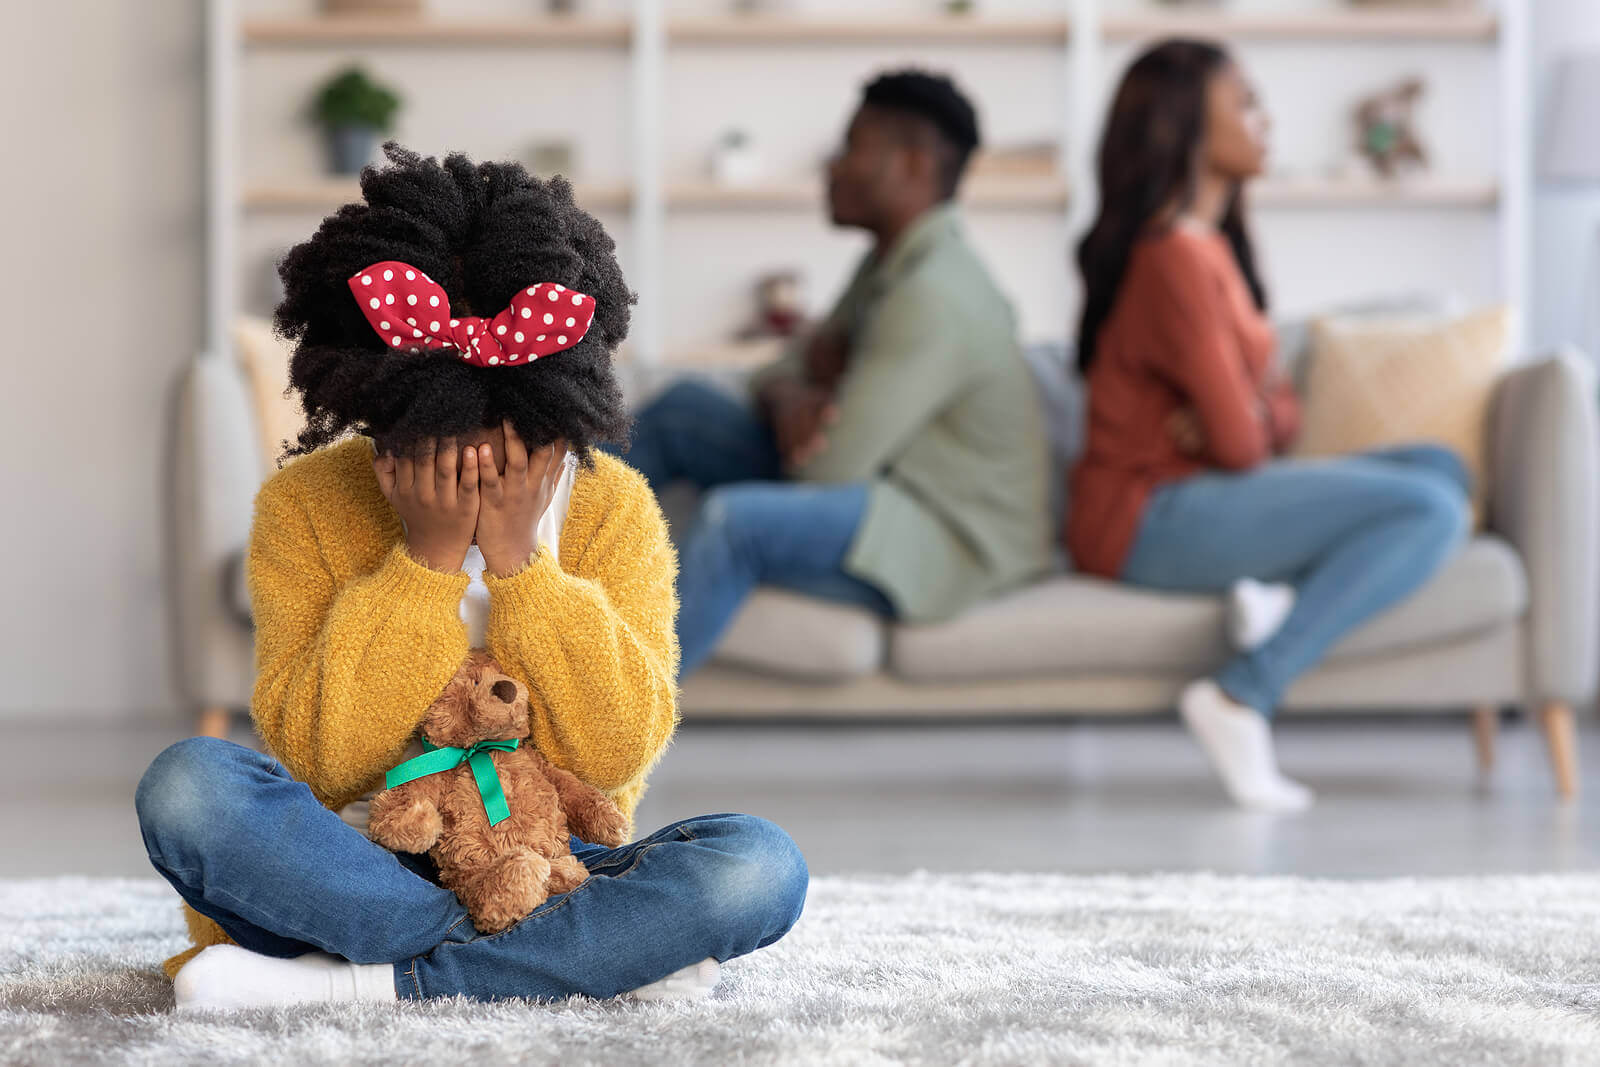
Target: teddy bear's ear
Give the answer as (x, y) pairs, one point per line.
(480, 663)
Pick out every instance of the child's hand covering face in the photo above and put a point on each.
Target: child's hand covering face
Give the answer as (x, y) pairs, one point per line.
(512, 501)
(446, 493)
(437, 501)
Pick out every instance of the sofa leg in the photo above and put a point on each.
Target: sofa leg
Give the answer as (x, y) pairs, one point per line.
(1485, 725)
(214, 722)
(1561, 734)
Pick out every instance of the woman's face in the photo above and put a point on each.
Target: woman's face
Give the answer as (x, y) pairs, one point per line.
(1236, 126)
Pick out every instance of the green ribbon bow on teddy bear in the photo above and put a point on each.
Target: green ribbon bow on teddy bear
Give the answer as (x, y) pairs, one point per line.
(436, 759)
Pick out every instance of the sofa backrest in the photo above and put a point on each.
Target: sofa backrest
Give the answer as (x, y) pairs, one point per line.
(1063, 400)
(264, 358)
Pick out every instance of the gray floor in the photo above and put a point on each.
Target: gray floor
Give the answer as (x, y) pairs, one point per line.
(1396, 797)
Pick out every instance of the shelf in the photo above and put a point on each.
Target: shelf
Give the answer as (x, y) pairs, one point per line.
(1421, 192)
(326, 194)
(423, 31)
(427, 31)
(1446, 25)
(777, 29)
(1010, 194)
(991, 193)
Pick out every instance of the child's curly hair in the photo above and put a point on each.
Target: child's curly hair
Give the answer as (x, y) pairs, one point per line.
(483, 231)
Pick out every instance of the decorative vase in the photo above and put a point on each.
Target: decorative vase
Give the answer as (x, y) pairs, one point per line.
(735, 161)
(350, 147)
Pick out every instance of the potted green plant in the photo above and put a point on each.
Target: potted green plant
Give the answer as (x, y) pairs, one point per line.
(355, 111)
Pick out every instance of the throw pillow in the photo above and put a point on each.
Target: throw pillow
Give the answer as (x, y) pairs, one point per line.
(1374, 384)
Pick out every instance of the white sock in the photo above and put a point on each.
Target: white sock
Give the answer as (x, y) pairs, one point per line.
(228, 977)
(1239, 742)
(1256, 611)
(694, 982)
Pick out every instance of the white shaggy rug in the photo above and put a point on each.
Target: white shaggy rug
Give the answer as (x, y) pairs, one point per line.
(1178, 969)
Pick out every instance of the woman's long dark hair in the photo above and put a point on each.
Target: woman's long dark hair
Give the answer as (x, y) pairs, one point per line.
(1147, 159)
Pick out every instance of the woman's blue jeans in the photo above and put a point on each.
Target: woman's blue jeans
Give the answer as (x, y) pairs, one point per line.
(251, 847)
(753, 528)
(1354, 535)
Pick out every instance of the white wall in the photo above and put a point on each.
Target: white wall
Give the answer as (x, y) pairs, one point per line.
(1566, 217)
(101, 306)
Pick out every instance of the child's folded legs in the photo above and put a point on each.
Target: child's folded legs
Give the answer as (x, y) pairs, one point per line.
(253, 849)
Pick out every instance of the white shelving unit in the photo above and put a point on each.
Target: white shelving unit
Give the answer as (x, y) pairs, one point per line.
(1081, 32)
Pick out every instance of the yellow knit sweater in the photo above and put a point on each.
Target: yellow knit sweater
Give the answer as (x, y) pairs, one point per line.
(355, 638)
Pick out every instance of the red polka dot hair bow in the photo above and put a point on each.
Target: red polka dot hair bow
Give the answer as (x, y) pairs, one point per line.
(410, 311)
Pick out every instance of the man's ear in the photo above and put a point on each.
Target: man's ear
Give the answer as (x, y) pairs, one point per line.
(919, 165)
(924, 162)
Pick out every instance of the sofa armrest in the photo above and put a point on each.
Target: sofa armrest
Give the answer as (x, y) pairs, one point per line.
(216, 470)
(1545, 500)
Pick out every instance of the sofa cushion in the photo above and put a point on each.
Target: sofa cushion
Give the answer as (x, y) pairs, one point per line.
(779, 632)
(1375, 385)
(1072, 624)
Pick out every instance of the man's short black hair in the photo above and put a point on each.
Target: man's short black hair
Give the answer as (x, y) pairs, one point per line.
(934, 99)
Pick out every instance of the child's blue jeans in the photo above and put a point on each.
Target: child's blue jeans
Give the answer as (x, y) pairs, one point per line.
(249, 846)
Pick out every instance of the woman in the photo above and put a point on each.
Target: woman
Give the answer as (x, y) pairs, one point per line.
(1178, 488)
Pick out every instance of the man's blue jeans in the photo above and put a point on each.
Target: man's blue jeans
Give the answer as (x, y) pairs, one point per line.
(753, 528)
(1354, 535)
(247, 845)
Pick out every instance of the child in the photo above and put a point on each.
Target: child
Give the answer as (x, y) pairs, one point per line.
(461, 321)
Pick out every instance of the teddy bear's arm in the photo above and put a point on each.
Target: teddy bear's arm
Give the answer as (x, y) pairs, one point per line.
(407, 818)
(590, 813)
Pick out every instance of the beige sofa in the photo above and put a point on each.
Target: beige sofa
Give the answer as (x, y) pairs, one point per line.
(1511, 621)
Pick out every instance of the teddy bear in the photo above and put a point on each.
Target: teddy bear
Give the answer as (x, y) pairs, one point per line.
(490, 810)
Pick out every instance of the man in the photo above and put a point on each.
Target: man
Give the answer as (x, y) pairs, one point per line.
(895, 459)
